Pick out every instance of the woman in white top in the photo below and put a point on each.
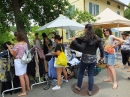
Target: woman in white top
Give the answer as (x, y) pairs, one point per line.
(125, 50)
(109, 56)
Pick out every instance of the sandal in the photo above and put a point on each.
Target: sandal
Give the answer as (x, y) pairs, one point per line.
(107, 80)
(22, 94)
(28, 89)
(115, 86)
(123, 68)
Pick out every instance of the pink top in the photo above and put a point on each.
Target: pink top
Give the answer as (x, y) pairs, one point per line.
(20, 48)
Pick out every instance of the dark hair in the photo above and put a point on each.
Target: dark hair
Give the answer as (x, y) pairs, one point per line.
(20, 36)
(54, 33)
(4, 45)
(90, 35)
(88, 26)
(44, 35)
(107, 29)
(125, 33)
(58, 37)
(36, 34)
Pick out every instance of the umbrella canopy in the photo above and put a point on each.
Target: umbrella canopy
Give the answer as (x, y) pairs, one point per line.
(123, 29)
(63, 22)
(108, 18)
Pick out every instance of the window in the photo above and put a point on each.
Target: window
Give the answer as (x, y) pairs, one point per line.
(93, 9)
(69, 34)
(116, 34)
(118, 12)
(71, 10)
(118, 6)
(108, 3)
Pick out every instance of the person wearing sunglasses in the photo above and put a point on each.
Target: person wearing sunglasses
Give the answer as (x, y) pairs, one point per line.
(109, 55)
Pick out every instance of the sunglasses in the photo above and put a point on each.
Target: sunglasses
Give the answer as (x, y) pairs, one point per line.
(105, 30)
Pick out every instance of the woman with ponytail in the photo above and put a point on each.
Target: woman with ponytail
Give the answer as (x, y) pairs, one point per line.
(59, 69)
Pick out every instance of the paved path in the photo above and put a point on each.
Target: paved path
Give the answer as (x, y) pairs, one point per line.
(105, 89)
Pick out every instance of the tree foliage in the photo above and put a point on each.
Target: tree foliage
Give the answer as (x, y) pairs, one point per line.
(19, 12)
(4, 37)
(98, 32)
(127, 12)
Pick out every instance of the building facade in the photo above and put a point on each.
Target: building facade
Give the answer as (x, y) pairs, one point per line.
(95, 7)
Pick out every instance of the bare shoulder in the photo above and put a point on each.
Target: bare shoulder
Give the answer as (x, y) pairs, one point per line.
(17, 43)
(23, 43)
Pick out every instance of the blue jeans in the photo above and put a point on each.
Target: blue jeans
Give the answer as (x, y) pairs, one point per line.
(83, 66)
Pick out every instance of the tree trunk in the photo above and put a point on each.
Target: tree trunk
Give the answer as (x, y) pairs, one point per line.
(19, 24)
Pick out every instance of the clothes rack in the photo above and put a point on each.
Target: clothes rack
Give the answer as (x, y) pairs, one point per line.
(38, 73)
(11, 80)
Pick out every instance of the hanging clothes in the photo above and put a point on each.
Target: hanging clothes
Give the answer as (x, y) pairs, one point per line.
(36, 66)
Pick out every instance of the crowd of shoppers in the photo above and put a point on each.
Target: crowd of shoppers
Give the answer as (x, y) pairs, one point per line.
(90, 42)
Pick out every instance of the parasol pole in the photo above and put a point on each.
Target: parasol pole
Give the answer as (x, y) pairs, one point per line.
(62, 35)
(118, 29)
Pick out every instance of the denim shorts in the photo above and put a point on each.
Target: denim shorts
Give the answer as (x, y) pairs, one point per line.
(109, 58)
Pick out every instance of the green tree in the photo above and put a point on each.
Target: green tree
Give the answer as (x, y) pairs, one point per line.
(99, 32)
(19, 12)
(127, 12)
(6, 36)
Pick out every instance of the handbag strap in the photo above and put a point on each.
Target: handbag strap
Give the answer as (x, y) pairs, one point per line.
(61, 48)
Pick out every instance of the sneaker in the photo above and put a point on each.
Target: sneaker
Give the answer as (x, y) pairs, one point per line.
(56, 88)
(77, 88)
(90, 93)
(65, 80)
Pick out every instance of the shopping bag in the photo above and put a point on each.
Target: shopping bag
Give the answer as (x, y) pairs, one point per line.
(52, 69)
(62, 59)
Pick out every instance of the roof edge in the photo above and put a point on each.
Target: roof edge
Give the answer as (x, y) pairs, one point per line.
(117, 1)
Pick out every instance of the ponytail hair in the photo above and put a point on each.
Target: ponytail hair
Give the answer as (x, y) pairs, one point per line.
(58, 37)
(88, 26)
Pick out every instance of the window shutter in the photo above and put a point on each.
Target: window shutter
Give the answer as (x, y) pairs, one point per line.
(72, 9)
(73, 33)
(57, 32)
(97, 9)
(118, 12)
(67, 34)
(90, 7)
(116, 34)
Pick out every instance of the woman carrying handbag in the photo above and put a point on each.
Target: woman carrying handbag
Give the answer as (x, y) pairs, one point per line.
(59, 68)
(20, 68)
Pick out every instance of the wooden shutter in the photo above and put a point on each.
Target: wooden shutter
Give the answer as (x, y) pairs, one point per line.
(118, 12)
(90, 7)
(57, 32)
(72, 9)
(73, 33)
(67, 34)
(97, 9)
